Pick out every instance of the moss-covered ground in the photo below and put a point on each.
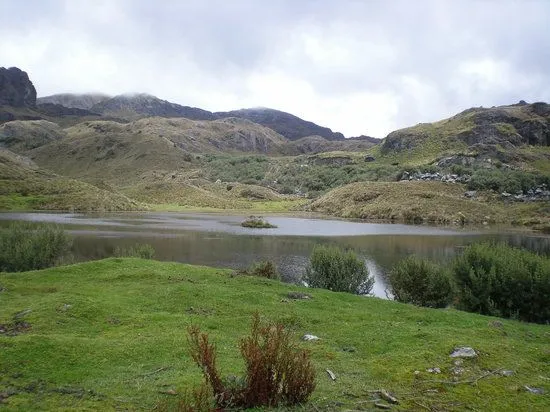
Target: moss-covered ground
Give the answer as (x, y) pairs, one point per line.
(111, 335)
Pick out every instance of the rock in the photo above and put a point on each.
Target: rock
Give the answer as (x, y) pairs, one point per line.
(308, 337)
(536, 391)
(369, 159)
(331, 374)
(16, 89)
(433, 370)
(463, 352)
(506, 372)
(470, 194)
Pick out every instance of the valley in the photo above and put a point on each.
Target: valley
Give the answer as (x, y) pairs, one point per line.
(138, 152)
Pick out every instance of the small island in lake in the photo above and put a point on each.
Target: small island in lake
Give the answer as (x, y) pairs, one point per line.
(257, 222)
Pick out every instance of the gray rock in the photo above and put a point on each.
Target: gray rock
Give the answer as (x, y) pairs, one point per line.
(463, 352)
(506, 372)
(308, 337)
(536, 391)
(470, 194)
(433, 370)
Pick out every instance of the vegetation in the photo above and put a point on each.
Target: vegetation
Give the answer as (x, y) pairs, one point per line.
(499, 280)
(26, 246)
(277, 372)
(504, 180)
(257, 222)
(264, 269)
(341, 271)
(421, 282)
(139, 250)
(112, 334)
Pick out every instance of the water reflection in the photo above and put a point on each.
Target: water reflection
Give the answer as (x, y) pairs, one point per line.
(219, 241)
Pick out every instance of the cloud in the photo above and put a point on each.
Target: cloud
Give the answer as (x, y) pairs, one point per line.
(359, 67)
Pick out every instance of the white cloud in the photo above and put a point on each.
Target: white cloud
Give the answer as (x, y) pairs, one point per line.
(356, 67)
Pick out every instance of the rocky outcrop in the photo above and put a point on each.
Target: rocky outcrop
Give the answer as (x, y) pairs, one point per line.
(16, 89)
(508, 127)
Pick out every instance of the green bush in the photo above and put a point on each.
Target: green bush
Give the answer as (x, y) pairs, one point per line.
(338, 270)
(139, 250)
(27, 246)
(499, 280)
(503, 180)
(421, 282)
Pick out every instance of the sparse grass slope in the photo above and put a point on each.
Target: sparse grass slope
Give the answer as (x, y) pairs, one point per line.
(25, 186)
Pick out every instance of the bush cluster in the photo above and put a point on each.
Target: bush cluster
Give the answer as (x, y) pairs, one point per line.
(504, 180)
(499, 280)
(487, 278)
(28, 246)
(338, 270)
(277, 372)
(420, 282)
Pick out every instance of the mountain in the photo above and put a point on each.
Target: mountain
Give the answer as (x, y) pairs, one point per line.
(77, 101)
(16, 89)
(286, 124)
(113, 151)
(135, 106)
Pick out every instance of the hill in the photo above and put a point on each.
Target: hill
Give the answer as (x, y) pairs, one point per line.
(113, 336)
(25, 186)
(503, 133)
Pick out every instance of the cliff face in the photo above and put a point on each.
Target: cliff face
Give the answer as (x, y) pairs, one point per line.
(16, 89)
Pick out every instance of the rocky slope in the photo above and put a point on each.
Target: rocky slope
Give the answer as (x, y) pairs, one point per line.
(500, 132)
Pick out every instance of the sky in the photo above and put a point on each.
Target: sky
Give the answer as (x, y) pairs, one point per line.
(359, 67)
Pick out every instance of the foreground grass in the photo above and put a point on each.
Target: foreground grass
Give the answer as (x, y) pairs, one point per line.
(111, 335)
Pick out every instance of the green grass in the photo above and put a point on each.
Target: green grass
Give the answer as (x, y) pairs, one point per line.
(111, 335)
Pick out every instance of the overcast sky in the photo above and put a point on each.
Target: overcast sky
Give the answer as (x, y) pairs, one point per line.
(358, 67)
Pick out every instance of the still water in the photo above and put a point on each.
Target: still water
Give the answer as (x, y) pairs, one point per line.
(219, 240)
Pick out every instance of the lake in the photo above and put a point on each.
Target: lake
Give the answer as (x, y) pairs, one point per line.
(218, 240)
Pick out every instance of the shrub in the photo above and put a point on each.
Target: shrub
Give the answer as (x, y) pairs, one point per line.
(265, 269)
(499, 280)
(139, 250)
(257, 222)
(420, 282)
(338, 270)
(277, 372)
(26, 246)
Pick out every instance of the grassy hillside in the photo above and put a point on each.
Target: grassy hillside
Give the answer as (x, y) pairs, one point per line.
(417, 201)
(111, 335)
(25, 186)
(502, 132)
